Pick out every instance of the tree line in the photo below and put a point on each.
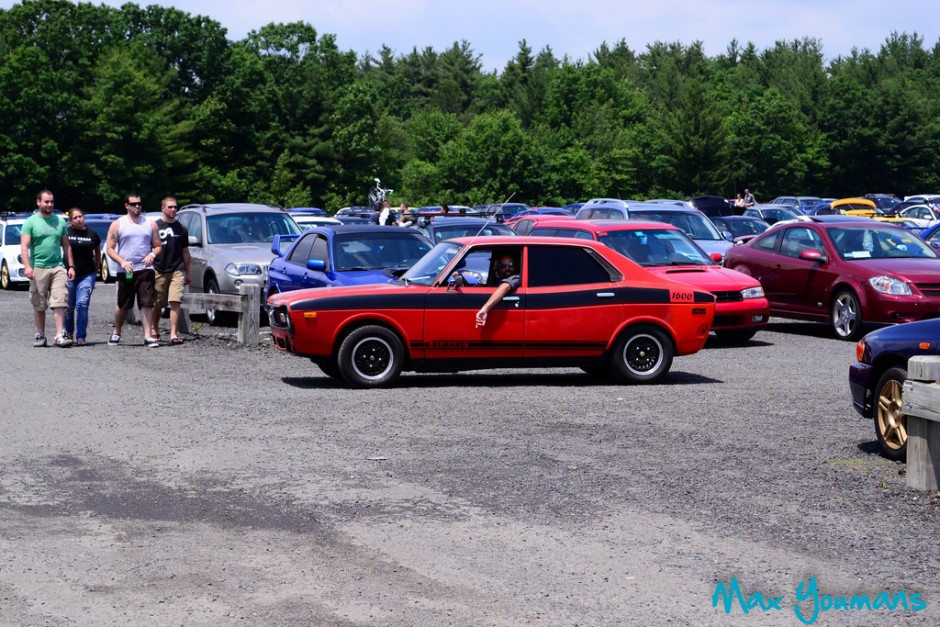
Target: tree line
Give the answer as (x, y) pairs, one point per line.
(96, 101)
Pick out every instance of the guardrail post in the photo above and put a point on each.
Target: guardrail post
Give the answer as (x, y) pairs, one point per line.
(921, 396)
(249, 318)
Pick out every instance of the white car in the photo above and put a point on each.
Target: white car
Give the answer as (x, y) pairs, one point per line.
(11, 263)
(921, 215)
(306, 220)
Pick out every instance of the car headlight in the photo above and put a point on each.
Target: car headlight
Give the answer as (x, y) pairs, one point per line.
(890, 285)
(241, 269)
(753, 292)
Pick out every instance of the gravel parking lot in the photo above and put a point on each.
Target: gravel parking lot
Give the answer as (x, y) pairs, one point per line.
(211, 483)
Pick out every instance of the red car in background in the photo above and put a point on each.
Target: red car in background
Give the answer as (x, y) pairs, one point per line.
(740, 309)
(847, 270)
(578, 304)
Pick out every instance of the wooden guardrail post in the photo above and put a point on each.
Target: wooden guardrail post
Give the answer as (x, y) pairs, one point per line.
(921, 394)
(249, 318)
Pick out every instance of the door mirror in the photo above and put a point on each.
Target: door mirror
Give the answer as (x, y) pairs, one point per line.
(194, 242)
(455, 282)
(316, 264)
(813, 255)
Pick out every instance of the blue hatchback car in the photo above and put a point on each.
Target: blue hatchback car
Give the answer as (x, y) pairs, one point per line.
(353, 254)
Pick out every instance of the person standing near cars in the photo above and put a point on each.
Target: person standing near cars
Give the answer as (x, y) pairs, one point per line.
(749, 200)
(86, 256)
(44, 239)
(133, 244)
(171, 269)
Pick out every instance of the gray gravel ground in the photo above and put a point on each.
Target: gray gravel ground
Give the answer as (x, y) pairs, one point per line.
(213, 484)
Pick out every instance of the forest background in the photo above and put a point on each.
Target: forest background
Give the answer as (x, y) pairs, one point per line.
(97, 101)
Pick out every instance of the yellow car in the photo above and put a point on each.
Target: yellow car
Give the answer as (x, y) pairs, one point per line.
(862, 207)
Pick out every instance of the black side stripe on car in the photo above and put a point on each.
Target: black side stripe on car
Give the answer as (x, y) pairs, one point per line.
(462, 344)
(466, 300)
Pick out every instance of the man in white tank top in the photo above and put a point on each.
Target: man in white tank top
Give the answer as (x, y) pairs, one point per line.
(133, 243)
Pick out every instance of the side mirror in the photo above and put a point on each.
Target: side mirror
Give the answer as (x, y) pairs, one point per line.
(316, 264)
(814, 255)
(194, 242)
(716, 257)
(728, 235)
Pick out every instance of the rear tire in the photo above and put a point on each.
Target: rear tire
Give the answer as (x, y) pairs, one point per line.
(642, 354)
(5, 281)
(370, 357)
(890, 421)
(105, 272)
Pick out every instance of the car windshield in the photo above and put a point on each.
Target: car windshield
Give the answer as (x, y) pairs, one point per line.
(740, 228)
(470, 230)
(249, 228)
(378, 251)
(432, 264)
(865, 242)
(695, 225)
(656, 247)
(12, 236)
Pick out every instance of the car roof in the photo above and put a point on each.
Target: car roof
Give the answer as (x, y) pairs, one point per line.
(359, 228)
(608, 225)
(853, 201)
(234, 207)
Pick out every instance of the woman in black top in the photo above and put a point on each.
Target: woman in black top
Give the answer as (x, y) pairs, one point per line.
(86, 253)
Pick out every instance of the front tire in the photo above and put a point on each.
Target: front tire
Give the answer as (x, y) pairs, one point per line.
(370, 357)
(890, 421)
(105, 273)
(5, 281)
(213, 316)
(642, 354)
(846, 316)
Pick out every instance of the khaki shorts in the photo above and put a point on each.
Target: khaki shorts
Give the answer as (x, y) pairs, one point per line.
(169, 286)
(48, 289)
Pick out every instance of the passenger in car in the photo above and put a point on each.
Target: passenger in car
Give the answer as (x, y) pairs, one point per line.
(509, 279)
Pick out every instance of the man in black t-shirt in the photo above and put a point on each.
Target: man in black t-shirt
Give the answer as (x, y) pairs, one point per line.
(171, 268)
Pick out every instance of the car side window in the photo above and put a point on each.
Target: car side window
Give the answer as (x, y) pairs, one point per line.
(301, 251)
(321, 250)
(768, 242)
(563, 265)
(798, 239)
(195, 227)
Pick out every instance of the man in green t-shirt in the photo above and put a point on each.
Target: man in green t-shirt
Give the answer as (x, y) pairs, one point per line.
(44, 240)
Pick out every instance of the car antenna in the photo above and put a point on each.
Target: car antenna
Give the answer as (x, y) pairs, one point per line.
(493, 216)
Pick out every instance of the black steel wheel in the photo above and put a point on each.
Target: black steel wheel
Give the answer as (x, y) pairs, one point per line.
(370, 356)
(642, 354)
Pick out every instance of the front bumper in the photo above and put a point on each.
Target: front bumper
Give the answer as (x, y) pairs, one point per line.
(859, 379)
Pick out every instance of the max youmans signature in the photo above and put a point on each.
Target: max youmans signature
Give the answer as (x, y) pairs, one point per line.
(809, 603)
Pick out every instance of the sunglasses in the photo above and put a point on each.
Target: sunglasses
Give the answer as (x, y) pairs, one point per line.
(170, 207)
(506, 266)
(133, 204)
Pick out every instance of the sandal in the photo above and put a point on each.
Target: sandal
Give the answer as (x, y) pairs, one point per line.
(176, 340)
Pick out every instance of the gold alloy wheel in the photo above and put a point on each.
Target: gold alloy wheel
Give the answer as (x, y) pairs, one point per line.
(889, 416)
(5, 277)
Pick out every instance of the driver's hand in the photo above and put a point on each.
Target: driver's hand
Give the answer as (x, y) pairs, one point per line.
(481, 318)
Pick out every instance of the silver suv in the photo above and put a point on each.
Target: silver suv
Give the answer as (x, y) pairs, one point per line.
(230, 245)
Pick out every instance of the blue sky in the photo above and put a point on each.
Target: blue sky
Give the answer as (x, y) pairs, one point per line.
(494, 28)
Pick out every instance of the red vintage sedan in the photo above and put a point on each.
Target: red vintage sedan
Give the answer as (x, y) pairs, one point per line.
(741, 308)
(846, 270)
(574, 303)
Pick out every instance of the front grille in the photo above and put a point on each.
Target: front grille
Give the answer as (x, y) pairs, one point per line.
(728, 297)
(928, 289)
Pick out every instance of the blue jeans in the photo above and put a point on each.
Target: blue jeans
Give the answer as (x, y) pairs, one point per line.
(79, 296)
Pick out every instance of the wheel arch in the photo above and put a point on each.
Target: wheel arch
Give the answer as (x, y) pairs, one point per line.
(366, 320)
(635, 322)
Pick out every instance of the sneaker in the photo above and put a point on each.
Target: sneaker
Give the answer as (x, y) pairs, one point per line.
(62, 341)
(114, 340)
(150, 342)
(40, 340)
(79, 342)
(67, 336)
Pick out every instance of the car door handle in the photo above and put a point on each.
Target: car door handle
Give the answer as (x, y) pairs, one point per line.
(605, 294)
(511, 299)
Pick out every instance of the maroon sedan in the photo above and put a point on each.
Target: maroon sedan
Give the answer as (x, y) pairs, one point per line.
(845, 270)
